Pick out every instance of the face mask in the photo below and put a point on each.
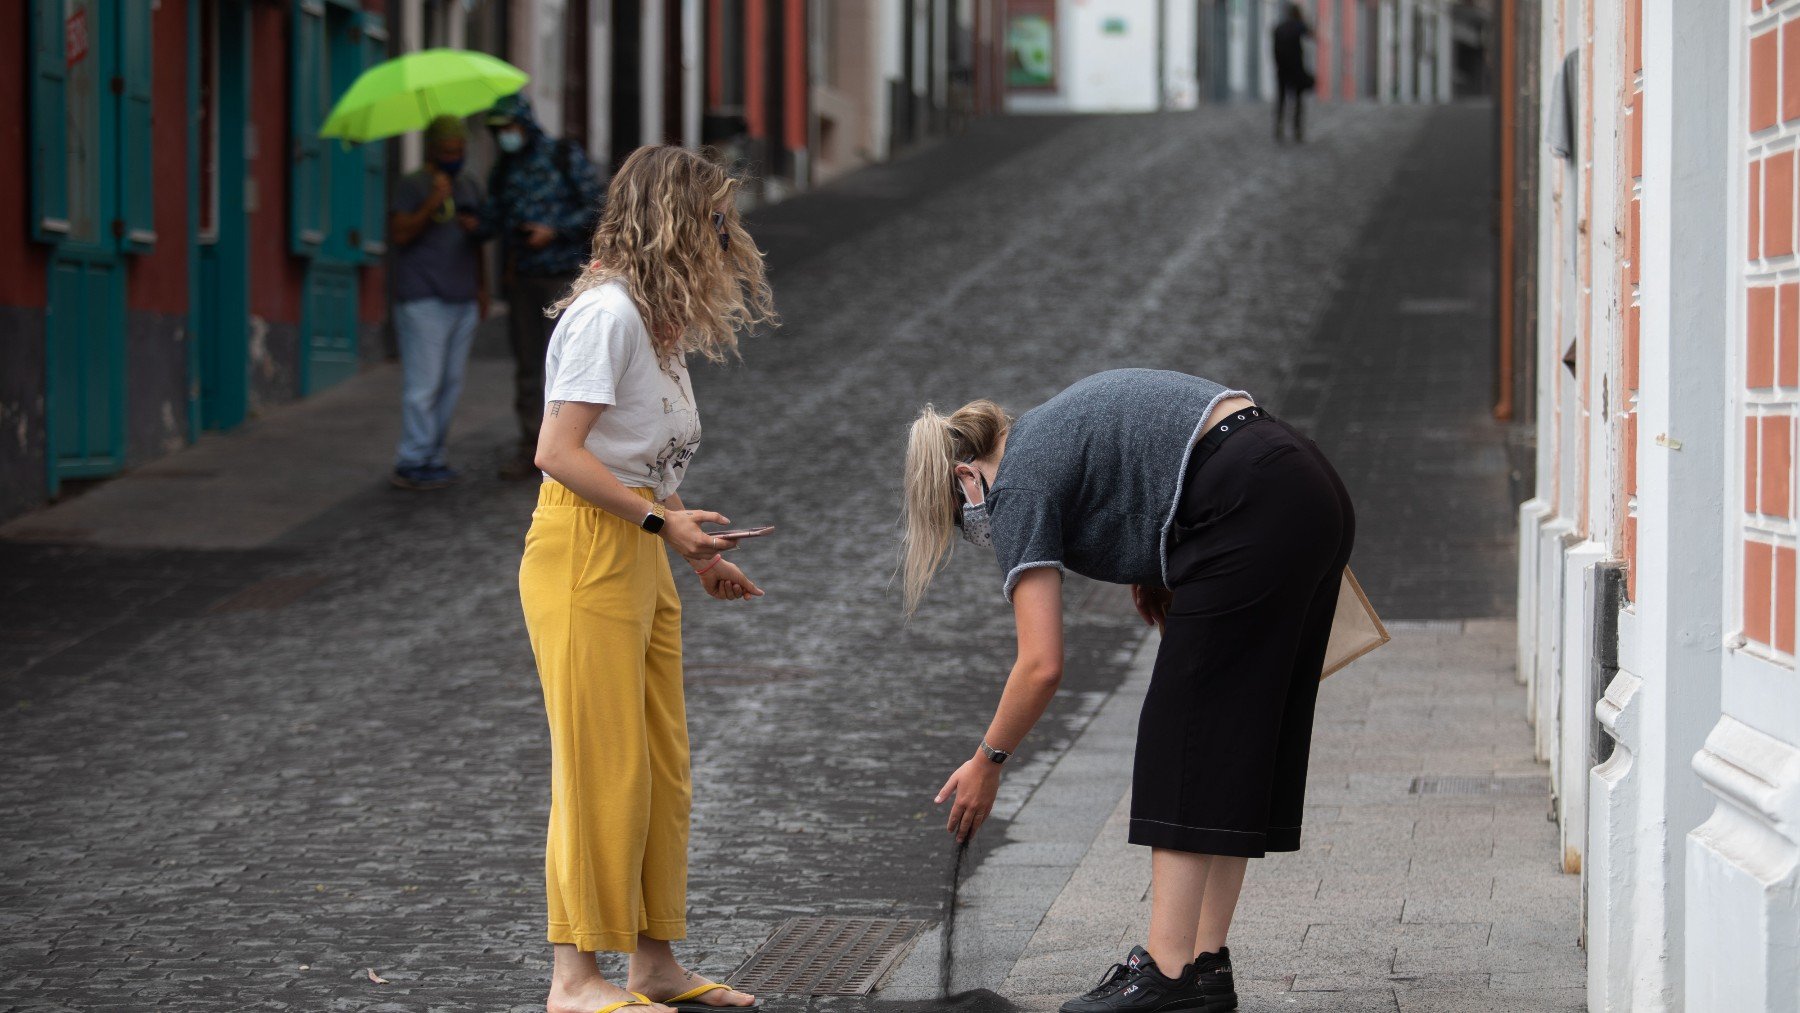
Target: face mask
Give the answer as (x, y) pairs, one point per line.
(511, 141)
(451, 167)
(977, 526)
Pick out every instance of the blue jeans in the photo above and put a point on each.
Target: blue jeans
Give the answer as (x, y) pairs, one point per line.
(435, 337)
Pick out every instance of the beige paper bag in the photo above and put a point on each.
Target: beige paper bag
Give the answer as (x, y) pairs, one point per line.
(1355, 628)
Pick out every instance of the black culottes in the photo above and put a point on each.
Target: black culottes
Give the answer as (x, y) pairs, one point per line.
(1256, 554)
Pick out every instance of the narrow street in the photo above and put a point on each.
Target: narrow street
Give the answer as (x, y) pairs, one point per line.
(220, 801)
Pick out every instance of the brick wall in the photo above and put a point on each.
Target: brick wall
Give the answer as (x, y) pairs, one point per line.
(1769, 338)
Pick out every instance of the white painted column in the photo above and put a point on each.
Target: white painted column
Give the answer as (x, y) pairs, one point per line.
(693, 70)
(412, 39)
(1638, 907)
(1407, 58)
(1446, 78)
(1180, 42)
(1386, 37)
(884, 69)
(1742, 865)
(921, 34)
(650, 74)
(599, 80)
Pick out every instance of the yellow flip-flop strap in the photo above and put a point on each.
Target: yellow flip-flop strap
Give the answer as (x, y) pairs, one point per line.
(639, 1001)
(698, 992)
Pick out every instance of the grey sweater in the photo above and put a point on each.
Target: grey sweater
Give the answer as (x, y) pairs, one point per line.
(1091, 477)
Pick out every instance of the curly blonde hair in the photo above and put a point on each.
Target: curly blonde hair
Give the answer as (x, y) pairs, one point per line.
(656, 234)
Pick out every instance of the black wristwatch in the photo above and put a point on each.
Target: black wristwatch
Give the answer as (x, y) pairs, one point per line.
(653, 521)
(996, 755)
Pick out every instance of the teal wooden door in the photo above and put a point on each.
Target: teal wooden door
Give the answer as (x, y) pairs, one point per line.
(91, 201)
(330, 321)
(334, 189)
(85, 325)
(222, 313)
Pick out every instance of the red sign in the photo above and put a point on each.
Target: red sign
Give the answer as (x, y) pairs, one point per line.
(75, 39)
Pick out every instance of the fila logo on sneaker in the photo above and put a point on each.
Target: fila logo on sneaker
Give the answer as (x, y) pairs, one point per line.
(1130, 989)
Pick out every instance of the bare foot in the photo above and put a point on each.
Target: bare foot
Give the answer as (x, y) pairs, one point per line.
(676, 980)
(593, 995)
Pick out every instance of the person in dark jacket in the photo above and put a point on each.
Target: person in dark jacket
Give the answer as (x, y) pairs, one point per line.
(544, 199)
(1291, 75)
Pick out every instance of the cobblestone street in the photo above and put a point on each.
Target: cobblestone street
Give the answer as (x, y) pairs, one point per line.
(239, 779)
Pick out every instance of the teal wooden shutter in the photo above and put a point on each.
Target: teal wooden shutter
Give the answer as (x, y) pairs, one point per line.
(374, 196)
(308, 79)
(136, 228)
(49, 124)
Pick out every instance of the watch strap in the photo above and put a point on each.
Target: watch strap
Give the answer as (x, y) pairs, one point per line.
(996, 755)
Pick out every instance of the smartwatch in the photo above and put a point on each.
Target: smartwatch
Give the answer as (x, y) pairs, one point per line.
(653, 521)
(996, 755)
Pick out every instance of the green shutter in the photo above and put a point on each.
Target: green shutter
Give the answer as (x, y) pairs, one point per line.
(49, 123)
(374, 196)
(308, 79)
(137, 180)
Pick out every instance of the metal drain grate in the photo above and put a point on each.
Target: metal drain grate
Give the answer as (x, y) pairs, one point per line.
(270, 594)
(1533, 787)
(827, 956)
(744, 675)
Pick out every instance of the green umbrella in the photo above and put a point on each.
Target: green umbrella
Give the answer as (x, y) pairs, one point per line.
(408, 92)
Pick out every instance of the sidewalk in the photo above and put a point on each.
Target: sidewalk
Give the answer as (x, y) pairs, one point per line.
(1398, 900)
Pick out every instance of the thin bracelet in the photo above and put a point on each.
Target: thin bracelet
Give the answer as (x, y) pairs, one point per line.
(710, 565)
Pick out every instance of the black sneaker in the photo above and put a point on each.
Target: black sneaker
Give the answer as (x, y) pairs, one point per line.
(1136, 986)
(1115, 978)
(1212, 979)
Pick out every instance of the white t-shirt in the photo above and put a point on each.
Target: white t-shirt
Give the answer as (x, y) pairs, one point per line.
(600, 353)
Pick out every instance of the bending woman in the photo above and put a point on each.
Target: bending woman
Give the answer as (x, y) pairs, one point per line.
(1233, 531)
(673, 273)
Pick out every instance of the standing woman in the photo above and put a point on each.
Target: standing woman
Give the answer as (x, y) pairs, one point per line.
(673, 273)
(1233, 531)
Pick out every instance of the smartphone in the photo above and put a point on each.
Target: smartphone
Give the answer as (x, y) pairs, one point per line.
(737, 533)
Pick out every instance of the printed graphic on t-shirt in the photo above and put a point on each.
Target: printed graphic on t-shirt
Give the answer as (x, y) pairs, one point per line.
(680, 448)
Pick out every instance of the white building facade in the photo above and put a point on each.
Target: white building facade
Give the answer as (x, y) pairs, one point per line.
(1657, 604)
(1145, 55)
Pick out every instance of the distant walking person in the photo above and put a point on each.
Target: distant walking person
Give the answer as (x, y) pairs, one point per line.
(440, 293)
(1291, 76)
(673, 274)
(544, 201)
(1233, 531)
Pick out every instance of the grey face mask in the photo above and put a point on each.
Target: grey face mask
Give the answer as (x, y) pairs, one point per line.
(976, 526)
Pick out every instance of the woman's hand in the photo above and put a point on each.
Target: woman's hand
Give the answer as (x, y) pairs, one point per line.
(681, 529)
(726, 582)
(1152, 603)
(974, 784)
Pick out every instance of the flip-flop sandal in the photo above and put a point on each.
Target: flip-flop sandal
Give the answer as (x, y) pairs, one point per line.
(624, 1003)
(684, 1003)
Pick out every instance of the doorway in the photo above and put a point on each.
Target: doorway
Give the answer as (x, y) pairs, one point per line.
(221, 314)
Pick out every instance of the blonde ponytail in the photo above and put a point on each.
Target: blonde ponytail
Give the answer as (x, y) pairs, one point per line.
(934, 446)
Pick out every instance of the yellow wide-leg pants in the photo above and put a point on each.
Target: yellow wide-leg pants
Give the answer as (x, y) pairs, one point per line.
(605, 625)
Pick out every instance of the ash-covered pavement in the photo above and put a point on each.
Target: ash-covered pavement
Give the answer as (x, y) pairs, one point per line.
(248, 807)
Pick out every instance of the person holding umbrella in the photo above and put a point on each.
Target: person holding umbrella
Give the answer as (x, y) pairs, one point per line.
(435, 225)
(1233, 531)
(440, 293)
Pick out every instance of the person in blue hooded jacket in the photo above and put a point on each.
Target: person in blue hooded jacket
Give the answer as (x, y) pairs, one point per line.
(544, 199)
